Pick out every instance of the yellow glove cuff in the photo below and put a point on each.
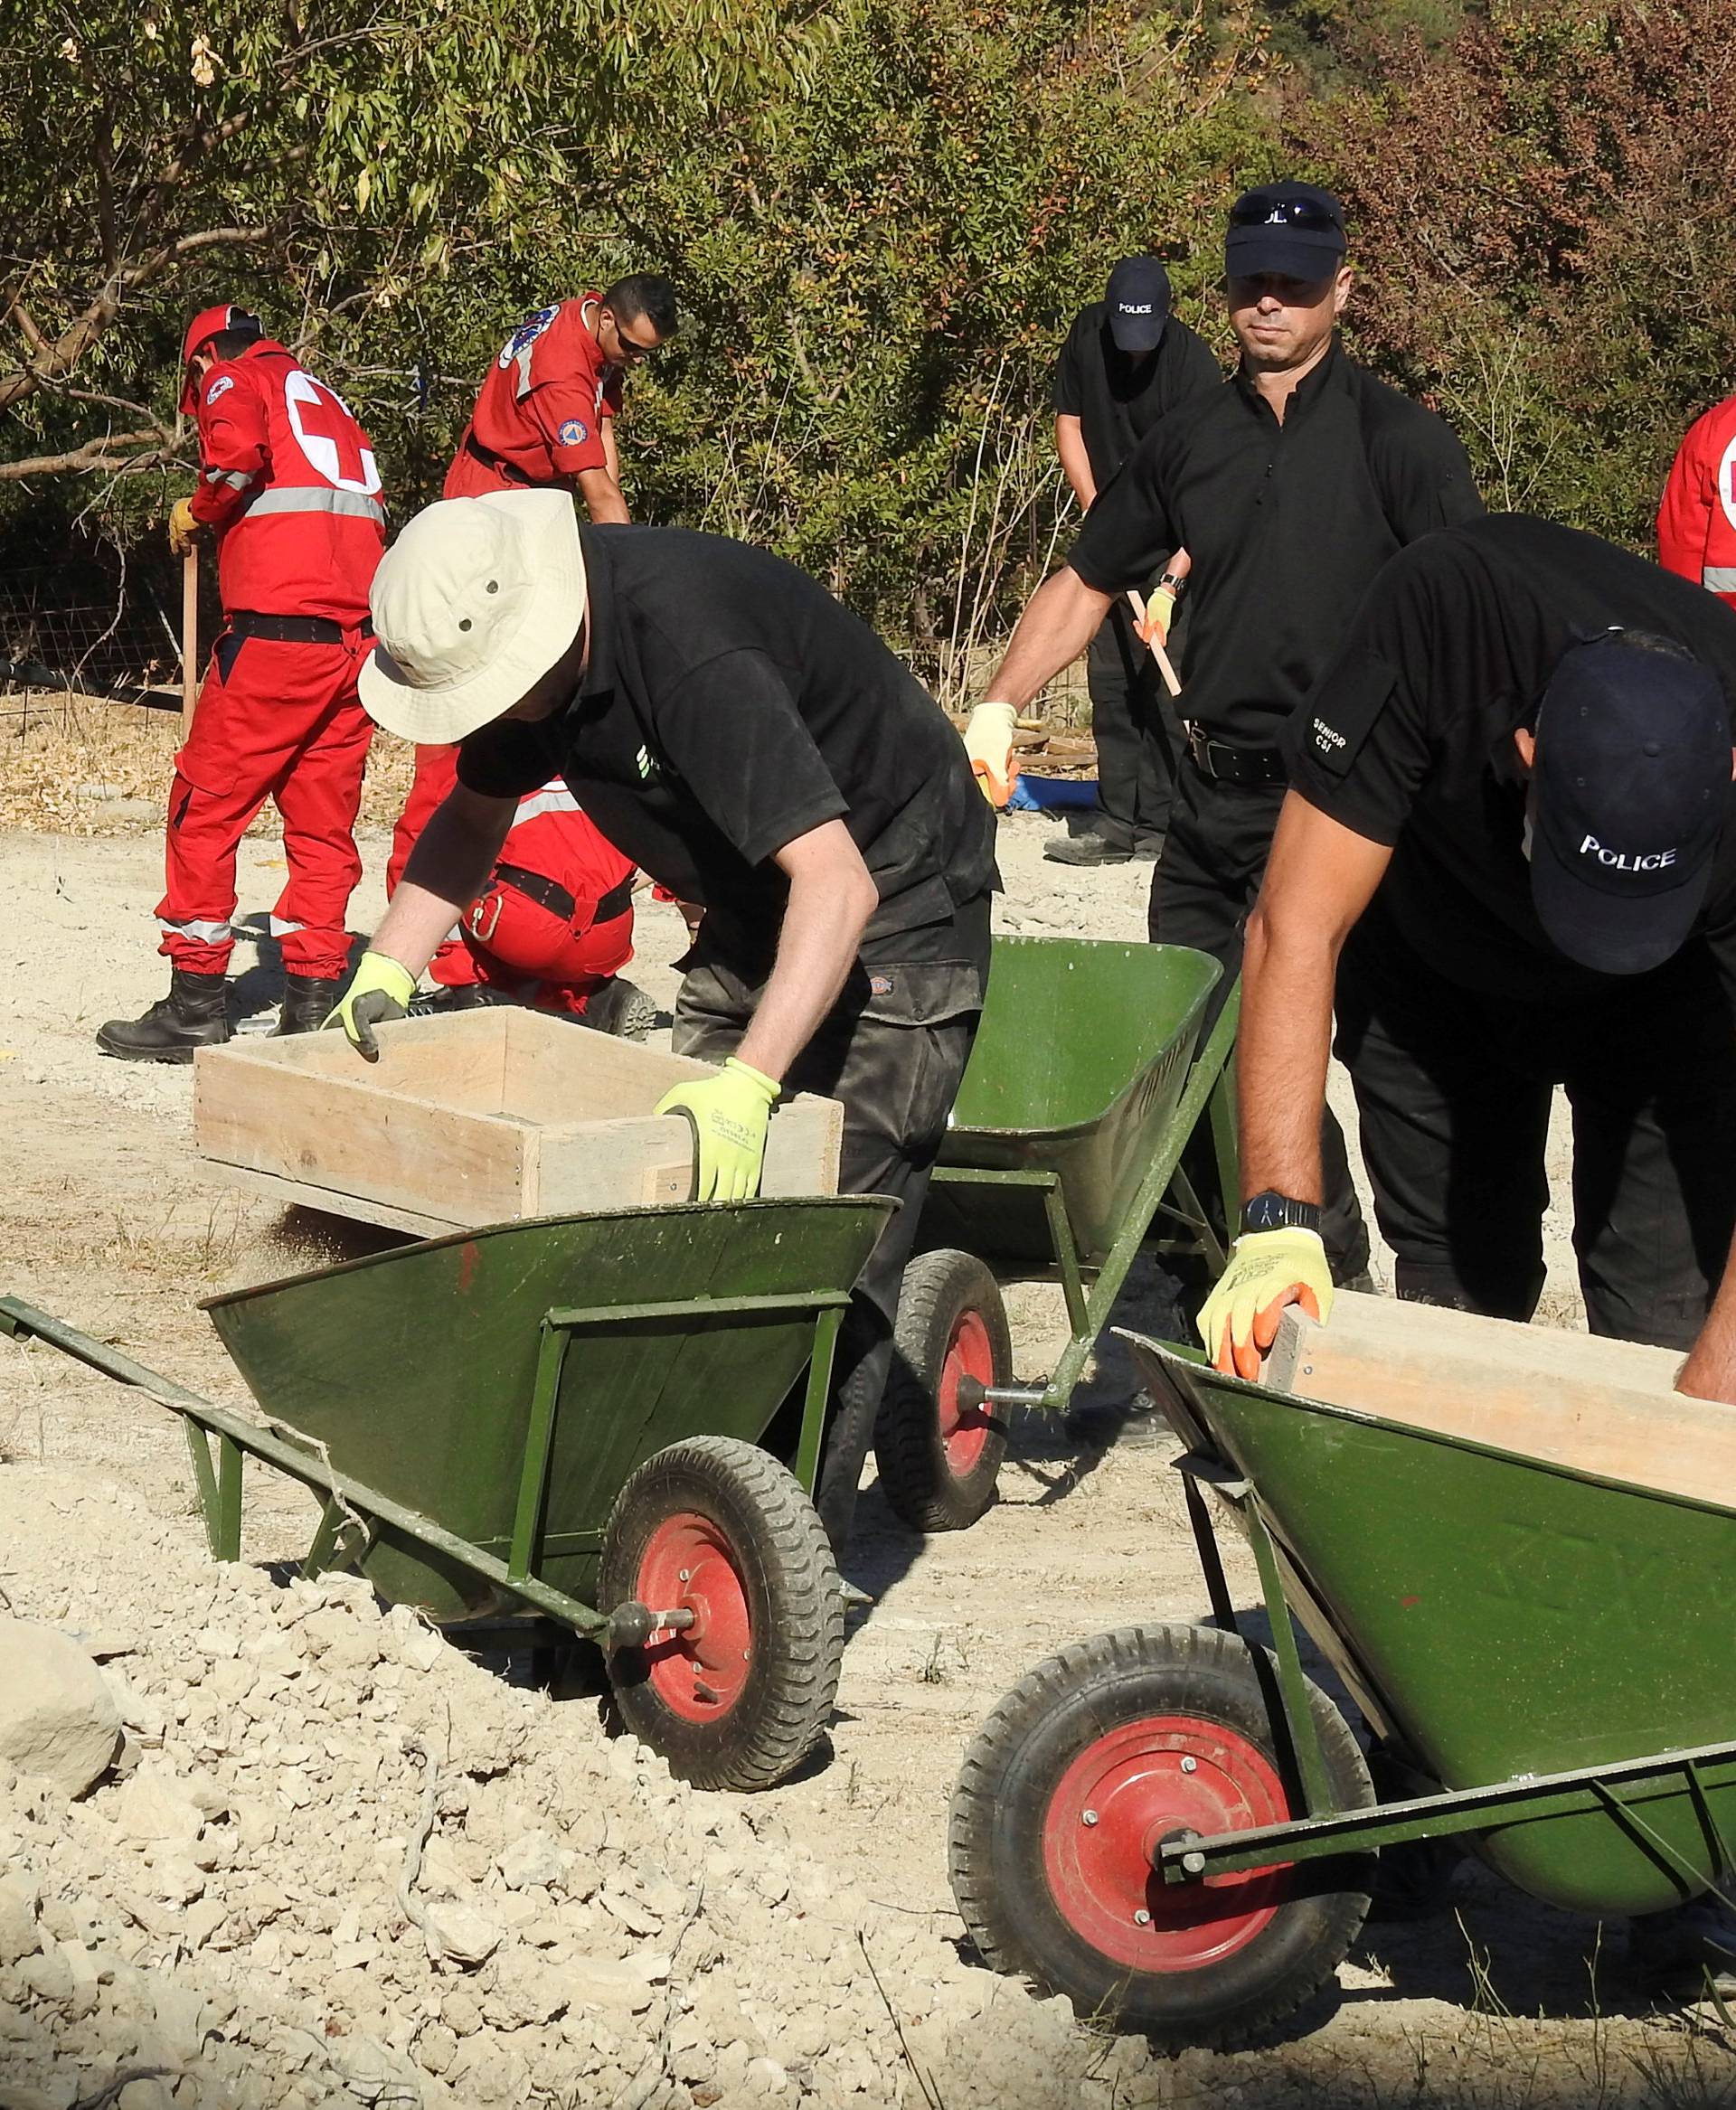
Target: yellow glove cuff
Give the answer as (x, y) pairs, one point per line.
(770, 1087)
(381, 971)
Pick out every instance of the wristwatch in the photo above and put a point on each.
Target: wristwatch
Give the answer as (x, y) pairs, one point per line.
(1271, 1212)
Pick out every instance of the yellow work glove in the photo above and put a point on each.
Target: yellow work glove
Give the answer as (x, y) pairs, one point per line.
(1267, 1271)
(380, 990)
(184, 530)
(730, 1114)
(1153, 616)
(988, 741)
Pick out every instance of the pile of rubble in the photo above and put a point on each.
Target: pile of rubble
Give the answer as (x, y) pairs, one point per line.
(275, 1847)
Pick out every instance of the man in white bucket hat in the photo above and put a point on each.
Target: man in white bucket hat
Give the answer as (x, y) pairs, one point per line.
(758, 750)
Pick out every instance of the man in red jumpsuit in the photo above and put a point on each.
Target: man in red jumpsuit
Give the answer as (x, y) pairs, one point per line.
(1696, 522)
(553, 926)
(545, 419)
(291, 490)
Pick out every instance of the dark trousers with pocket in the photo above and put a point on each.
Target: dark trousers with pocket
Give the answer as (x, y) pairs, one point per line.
(1201, 892)
(1133, 723)
(1454, 1092)
(891, 1051)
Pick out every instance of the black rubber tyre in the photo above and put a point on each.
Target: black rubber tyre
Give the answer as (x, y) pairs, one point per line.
(1074, 1776)
(739, 1700)
(938, 1468)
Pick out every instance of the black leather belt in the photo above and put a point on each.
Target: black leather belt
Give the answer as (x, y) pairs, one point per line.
(1227, 765)
(489, 459)
(550, 894)
(296, 629)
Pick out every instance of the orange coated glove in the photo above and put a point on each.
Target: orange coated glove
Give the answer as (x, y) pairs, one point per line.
(988, 741)
(1267, 1272)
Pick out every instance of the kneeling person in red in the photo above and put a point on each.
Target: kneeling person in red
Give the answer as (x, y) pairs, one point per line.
(553, 926)
(291, 492)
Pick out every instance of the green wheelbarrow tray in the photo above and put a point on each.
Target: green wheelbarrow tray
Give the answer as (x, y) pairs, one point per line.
(1078, 1070)
(469, 1407)
(1550, 1647)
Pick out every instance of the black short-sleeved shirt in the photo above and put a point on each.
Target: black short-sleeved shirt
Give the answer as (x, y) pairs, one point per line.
(1116, 398)
(1288, 526)
(730, 704)
(1408, 738)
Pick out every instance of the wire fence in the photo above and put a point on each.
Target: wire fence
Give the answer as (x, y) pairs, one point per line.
(69, 629)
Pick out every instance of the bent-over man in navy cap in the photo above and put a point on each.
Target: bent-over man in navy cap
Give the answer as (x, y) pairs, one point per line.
(1128, 362)
(1511, 833)
(1289, 487)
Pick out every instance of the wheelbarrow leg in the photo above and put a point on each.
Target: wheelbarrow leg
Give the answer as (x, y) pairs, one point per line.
(220, 1490)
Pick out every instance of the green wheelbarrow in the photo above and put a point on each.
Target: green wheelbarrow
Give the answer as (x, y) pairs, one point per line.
(562, 1418)
(1064, 1150)
(1517, 1549)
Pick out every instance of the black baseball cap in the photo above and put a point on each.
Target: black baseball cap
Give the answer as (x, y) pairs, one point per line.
(1631, 788)
(1296, 229)
(1138, 304)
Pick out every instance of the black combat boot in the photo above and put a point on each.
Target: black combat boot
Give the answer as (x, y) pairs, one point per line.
(192, 1015)
(309, 1001)
(621, 1008)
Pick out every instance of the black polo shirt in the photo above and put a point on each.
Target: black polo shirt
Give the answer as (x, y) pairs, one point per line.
(1408, 739)
(1288, 526)
(730, 704)
(1119, 398)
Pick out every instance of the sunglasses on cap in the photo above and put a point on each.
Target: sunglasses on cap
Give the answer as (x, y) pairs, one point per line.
(1288, 213)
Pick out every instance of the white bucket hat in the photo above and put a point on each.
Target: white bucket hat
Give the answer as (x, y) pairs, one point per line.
(472, 605)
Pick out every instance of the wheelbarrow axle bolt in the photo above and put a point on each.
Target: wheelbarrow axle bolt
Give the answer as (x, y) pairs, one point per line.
(632, 1624)
(1142, 1917)
(973, 1394)
(1089, 1817)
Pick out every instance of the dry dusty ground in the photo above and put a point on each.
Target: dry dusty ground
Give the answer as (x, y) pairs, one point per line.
(109, 1223)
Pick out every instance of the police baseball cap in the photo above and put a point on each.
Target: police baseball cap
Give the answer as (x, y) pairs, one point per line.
(1630, 787)
(472, 605)
(1296, 230)
(1138, 304)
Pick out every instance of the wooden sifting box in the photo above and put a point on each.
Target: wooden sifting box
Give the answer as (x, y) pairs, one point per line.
(477, 1117)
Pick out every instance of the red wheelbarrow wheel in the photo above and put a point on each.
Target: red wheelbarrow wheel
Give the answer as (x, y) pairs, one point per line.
(719, 1529)
(939, 1453)
(1104, 1750)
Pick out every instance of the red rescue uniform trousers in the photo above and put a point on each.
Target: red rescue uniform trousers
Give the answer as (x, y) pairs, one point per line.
(279, 721)
(529, 944)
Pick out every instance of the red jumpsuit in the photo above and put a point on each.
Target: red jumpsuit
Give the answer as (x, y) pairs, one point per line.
(539, 416)
(1696, 521)
(555, 920)
(291, 488)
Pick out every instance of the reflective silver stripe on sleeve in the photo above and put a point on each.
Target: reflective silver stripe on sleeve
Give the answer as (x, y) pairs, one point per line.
(279, 928)
(547, 801)
(1719, 578)
(203, 933)
(310, 498)
(237, 479)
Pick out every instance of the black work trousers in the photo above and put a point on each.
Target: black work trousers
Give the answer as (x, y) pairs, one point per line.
(892, 1052)
(1133, 724)
(1454, 1090)
(1204, 885)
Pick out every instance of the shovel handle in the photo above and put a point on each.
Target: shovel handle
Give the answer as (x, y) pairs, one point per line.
(1156, 651)
(189, 637)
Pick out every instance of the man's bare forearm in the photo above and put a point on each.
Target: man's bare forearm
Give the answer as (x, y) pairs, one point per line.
(827, 912)
(447, 869)
(1282, 1046)
(1709, 1371)
(1059, 622)
(603, 497)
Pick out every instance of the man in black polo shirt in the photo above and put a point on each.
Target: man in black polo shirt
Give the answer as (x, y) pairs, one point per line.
(1126, 363)
(1289, 488)
(755, 749)
(1512, 814)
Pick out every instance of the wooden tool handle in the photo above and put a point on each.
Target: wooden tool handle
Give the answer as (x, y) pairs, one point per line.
(1155, 650)
(189, 636)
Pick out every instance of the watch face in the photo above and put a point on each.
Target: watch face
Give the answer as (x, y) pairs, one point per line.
(1275, 1211)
